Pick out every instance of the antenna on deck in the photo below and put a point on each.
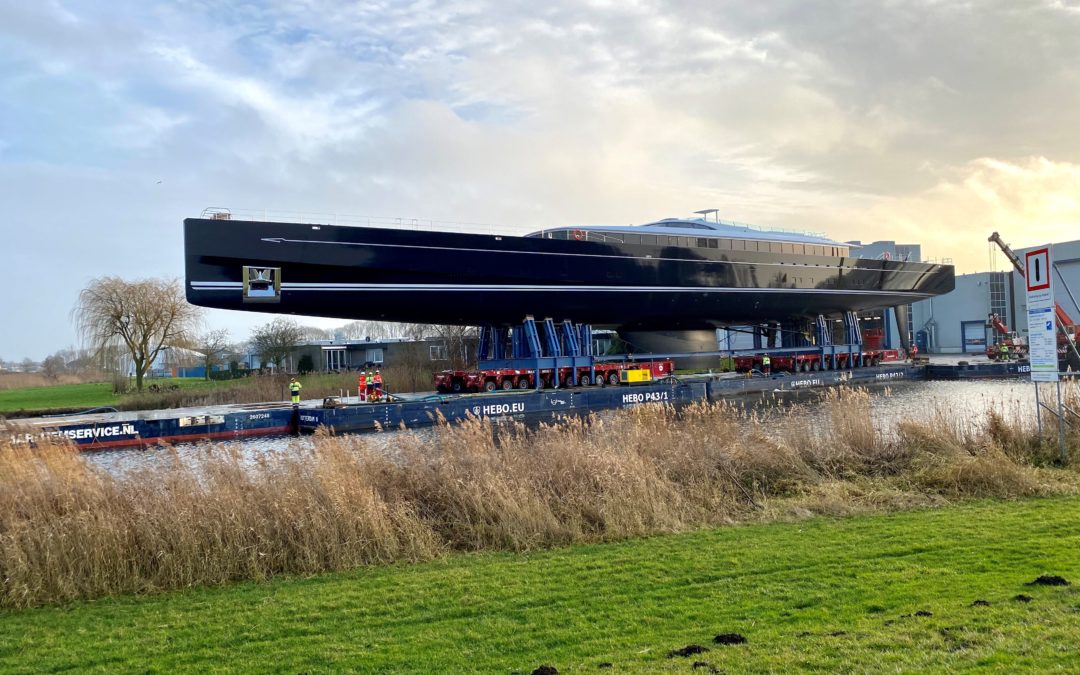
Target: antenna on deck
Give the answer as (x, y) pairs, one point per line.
(705, 214)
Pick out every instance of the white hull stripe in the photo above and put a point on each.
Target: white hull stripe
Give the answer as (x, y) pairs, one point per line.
(328, 287)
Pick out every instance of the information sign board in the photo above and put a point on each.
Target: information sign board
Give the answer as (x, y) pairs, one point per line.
(1042, 333)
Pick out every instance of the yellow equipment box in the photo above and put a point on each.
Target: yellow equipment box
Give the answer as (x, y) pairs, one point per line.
(635, 376)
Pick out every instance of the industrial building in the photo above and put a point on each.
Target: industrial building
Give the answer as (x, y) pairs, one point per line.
(956, 322)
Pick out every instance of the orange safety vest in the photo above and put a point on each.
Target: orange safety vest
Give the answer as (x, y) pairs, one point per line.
(378, 379)
(363, 381)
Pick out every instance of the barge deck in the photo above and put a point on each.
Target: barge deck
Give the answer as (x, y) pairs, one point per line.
(99, 431)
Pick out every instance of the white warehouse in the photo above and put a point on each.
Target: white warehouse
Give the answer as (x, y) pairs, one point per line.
(957, 322)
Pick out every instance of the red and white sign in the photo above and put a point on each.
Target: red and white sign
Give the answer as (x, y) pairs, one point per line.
(1037, 264)
(1042, 333)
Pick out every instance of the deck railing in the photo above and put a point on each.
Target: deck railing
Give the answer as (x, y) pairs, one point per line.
(426, 224)
(393, 222)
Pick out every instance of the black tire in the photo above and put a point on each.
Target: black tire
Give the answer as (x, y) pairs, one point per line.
(489, 385)
(457, 386)
(583, 380)
(507, 384)
(613, 378)
(523, 383)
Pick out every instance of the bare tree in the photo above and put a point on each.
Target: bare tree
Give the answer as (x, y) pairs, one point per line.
(314, 333)
(53, 365)
(273, 342)
(456, 339)
(378, 330)
(143, 316)
(213, 345)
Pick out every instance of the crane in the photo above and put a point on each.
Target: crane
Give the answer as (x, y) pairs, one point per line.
(1067, 334)
(1017, 345)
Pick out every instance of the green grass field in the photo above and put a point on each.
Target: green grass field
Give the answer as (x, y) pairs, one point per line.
(90, 395)
(825, 595)
(100, 394)
(94, 394)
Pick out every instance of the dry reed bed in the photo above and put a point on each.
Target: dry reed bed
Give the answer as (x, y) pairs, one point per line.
(22, 380)
(69, 531)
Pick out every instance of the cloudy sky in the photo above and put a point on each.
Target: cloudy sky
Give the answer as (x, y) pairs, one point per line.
(933, 122)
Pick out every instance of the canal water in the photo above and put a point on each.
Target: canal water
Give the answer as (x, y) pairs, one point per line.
(962, 403)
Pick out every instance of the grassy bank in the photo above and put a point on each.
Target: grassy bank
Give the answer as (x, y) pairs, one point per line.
(183, 392)
(68, 531)
(824, 594)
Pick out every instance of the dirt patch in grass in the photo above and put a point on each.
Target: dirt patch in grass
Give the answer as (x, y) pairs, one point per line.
(1048, 580)
(729, 639)
(688, 650)
(1022, 598)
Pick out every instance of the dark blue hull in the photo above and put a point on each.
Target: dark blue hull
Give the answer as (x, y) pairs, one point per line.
(469, 279)
(118, 430)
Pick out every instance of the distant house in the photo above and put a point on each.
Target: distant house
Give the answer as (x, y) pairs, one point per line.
(351, 354)
(175, 362)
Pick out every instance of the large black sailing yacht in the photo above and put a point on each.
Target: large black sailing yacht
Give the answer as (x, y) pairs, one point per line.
(672, 274)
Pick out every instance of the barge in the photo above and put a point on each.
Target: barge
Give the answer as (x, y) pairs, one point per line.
(101, 431)
(104, 430)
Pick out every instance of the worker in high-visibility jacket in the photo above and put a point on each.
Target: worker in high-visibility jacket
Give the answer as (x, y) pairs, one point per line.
(370, 386)
(766, 365)
(1004, 351)
(361, 387)
(294, 391)
(378, 386)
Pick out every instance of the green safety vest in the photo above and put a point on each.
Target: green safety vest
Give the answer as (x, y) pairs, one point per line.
(765, 360)
(294, 387)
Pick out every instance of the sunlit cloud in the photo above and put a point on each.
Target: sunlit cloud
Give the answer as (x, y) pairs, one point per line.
(1031, 201)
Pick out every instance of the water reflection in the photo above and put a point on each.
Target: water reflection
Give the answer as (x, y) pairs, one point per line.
(964, 404)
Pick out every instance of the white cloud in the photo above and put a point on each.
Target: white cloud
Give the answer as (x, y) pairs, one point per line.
(863, 120)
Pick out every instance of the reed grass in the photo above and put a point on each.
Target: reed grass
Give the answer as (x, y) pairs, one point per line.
(70, 531)
(24, 380)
